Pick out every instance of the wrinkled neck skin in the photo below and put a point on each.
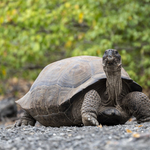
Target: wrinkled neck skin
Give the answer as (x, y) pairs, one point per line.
(113, 83)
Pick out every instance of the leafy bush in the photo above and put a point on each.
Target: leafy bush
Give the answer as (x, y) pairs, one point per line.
(34, 33)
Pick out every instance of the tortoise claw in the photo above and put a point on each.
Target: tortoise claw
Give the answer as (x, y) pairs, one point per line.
(26, 119)
(89, 120)
(17, 123)
(24, 122)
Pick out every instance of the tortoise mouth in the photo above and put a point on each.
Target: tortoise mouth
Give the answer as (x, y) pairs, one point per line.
(111, 59)
(113, 64)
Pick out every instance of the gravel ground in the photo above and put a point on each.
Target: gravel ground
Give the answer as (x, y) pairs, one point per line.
(129, 136)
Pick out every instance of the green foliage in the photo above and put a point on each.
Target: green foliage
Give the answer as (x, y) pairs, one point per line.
(34, 33)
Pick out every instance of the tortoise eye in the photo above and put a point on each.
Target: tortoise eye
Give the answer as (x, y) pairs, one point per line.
(116, 52)
(106, 52)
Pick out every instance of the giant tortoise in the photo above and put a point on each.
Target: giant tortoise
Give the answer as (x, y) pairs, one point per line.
(84, 90)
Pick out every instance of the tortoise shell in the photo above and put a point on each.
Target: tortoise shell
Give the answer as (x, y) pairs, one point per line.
(54, 89)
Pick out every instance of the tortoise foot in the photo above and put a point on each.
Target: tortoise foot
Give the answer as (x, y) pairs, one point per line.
(90, 108)
(142, 120)
(138, 105)
(26, 119)
(89, 120)
(25, 122)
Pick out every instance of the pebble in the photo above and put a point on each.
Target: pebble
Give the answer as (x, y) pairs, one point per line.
(75, 138)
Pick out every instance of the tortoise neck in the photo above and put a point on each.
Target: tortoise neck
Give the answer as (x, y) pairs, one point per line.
(113, 85)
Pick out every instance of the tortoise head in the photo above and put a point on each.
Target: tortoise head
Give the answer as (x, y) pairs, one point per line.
(112, 59)
(112, 68)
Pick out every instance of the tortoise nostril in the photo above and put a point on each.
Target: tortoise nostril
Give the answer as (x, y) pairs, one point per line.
(110, 58)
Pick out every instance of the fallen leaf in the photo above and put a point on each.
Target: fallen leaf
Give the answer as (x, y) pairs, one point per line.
(100, 126)
(130, 119)
(136, 135)
(128, 131)
(140, 126)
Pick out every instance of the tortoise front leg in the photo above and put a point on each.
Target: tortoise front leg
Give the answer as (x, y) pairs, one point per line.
(26, 119)
(138, 105)
(89, 109)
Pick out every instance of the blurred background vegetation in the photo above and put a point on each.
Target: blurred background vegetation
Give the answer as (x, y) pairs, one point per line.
(34, 33)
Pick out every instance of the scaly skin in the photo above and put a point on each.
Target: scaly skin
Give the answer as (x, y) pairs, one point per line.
(89, 109)
(109, 115)
(138, 105)
(26, 119)
(135, 104)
